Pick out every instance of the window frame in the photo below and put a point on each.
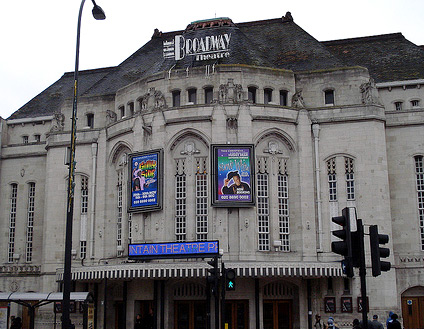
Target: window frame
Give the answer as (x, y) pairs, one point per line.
(192, 96)
(268, 95)
(329, 97)
(176, 98)
(208, 94)
(284, 95)
(252, 92)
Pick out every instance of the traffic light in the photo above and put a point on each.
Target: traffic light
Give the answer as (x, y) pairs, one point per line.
(344, 247)
(230, 279)
(377, 252)
(213, 276)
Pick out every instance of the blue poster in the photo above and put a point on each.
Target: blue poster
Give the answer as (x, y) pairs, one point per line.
(144, 180)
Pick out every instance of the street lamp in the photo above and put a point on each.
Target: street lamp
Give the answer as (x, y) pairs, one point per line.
(98, 14)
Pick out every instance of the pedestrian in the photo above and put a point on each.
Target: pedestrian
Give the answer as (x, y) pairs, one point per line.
(356, 324)
(17, 323)
(331, 324)
(375, 324)
(138, 324)
(318, 322)
(389, 319)
(395, 324)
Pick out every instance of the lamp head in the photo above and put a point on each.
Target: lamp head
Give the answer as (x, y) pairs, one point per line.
(98, 12)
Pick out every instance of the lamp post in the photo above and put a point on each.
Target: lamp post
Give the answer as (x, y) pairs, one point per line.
(98, 14)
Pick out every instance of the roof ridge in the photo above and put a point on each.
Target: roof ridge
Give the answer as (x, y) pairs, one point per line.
(397, 35)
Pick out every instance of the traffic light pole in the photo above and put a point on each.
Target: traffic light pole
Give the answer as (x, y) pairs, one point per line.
(362, 272)
(223, 288)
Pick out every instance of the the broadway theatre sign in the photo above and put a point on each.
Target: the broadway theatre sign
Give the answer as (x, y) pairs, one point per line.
(205, 48)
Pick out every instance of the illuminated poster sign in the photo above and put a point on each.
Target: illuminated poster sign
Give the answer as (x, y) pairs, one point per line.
(173, 250)
(233, 175)
(204, 48)
(145, 169)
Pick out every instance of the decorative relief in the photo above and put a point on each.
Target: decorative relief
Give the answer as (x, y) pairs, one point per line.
(20, 269)
(153, 100)
(111, 117)
(58, 123)
(297, 100)
(369, 92)
(230, 92)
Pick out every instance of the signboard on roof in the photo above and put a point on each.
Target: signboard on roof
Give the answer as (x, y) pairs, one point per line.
(202, 48)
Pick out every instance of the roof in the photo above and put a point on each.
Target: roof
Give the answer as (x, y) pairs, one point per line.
(42, 296)
(275, 43)
(388, 57)
(51, 99)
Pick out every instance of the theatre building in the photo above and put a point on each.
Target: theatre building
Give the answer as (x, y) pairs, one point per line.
(237, 140)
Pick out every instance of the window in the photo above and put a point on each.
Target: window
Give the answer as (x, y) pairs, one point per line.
(398, 106)
(90, 120)
(350, 179)
(201, 200)
(30, 222)
(267, 95)
(332, 179)
(419, 176)
(329, 97)
(37, 138)
(176, 98)
(84, 214)
(25, 139)
(415, 103)
(263, 212)
(192, 95)
(12, 222)
(131, 108)
(120, 206)
(283, 205)
(208, 95)
(251, 94)
(121, 112)
(180, 201)
(283, 97)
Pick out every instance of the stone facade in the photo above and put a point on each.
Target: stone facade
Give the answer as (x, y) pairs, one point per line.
(358, 140)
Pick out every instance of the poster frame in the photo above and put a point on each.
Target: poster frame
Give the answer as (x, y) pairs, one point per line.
(215, 202)
(159, 192)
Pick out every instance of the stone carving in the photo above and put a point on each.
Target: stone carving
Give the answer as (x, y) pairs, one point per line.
(154, 99)
(159, 100)
(297, 100)
(111, 117)
(58, 123)
(230, 92)
(369, 92)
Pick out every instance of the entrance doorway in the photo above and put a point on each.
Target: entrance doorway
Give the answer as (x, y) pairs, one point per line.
(413, 312)
(190, 315)
(237, 314)
(277, 314)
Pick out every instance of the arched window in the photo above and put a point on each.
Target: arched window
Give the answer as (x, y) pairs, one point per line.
(191, 187)
(176, 98)
(273, 211)
(30, 223)
(267, 95)
(419, 177)
(12, 221)
(208, 95)
(283, 97)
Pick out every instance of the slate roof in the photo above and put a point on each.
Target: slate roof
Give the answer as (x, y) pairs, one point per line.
(277, 43)
(388, 57)
(51, 99)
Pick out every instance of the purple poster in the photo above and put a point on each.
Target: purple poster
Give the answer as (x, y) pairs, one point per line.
(234, 176)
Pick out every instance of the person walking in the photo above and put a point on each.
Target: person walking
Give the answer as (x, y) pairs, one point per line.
(395, 324)
(375, 324)
(138, 324)
(331, 324)
(318, 322)
(356, 324)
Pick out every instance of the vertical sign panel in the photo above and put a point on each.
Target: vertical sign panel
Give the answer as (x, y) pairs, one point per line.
(145, 170)
(233, 175)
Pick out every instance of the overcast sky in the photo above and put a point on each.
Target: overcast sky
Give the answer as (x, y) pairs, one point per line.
(38, 37)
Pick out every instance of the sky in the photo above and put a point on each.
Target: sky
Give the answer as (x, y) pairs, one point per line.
(38, 38)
